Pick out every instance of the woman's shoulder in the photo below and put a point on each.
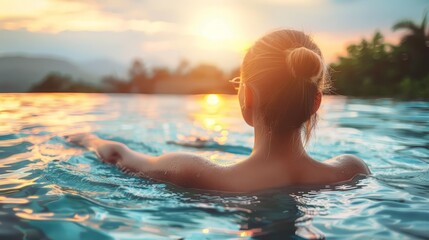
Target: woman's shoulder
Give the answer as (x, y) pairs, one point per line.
(348, 165)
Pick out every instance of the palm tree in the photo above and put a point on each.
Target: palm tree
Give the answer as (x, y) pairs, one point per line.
(414, 47)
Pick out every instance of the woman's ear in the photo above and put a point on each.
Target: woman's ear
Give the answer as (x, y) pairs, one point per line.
(317, 102)
(248, 97)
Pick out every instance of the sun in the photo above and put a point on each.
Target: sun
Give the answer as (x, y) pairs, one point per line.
(216, 29)
(215, 25)
(220, 29)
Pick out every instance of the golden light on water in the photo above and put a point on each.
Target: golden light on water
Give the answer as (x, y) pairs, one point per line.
(239, 233)
(32, 116)
(212, 114)
(216, 115)
(212, 99)
(66, 120)
(6, 200)
(49, 216)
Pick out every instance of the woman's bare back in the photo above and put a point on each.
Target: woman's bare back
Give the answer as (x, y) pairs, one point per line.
(250, 174)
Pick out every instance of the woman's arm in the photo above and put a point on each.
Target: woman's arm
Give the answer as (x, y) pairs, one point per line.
(183, 169)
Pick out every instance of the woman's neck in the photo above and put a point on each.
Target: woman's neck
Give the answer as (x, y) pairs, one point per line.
(271, 146)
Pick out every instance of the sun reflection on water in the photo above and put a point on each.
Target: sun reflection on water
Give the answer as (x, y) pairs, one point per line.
(21, 113)
(212, 113)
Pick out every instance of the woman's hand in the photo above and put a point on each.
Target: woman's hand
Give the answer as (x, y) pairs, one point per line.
(82, 139)
(107, 151)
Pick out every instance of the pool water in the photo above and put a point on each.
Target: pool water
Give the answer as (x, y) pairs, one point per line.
(50, 189)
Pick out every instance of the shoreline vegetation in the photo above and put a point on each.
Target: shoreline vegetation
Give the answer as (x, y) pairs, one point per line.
(203, 78)
(370, 68)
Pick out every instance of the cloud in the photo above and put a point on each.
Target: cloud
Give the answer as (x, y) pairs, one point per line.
(55, 16)
(163, 32)
(305, 3)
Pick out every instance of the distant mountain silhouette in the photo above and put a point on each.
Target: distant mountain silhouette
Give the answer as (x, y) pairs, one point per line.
(19, 73)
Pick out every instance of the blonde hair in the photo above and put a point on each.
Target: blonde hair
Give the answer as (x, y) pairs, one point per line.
(285, 69)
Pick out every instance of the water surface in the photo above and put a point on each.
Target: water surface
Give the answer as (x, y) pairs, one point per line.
(54, 190)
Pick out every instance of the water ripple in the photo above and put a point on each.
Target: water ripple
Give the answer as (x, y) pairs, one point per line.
(48, 186)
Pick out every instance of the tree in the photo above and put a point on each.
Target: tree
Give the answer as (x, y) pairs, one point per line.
(367, 69)
(53, 82)
(160, 74)
(204, 72)
(115, 85)
(414, 47)
(376, 68)
(139, 80)
(182, 68)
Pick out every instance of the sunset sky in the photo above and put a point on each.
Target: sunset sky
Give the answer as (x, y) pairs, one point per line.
(164, 32)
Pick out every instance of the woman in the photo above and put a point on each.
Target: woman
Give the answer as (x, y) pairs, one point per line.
(280, 90)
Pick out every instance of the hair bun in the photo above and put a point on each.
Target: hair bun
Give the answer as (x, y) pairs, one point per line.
(304, 63)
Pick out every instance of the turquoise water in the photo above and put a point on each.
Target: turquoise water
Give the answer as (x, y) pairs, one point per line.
(50, 189)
